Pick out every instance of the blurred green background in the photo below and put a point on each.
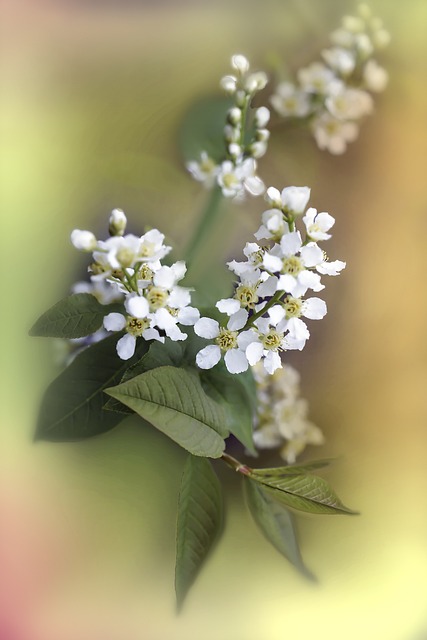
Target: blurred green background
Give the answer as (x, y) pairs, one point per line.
(92, 97)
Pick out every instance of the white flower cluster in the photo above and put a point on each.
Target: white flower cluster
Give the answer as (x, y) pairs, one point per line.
(281, 419)
(265, 314)
(333, 95)
(236, 175)
(129, 268)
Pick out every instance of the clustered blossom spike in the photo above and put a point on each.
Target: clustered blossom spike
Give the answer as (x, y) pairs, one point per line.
(281, 419)
(333, 95)
(128, 268)
(264, 317)
(237, 175)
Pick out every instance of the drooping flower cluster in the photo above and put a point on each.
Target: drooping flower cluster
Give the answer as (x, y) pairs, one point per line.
(333, 95)
(129, 268)
(281, 419)
(237, 173)
(265, 313)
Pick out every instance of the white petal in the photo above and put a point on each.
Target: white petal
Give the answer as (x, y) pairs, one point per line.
(298, 329)
(314, 308)
(308, 219)
(164, 320)
(152, 334)
(254, 185)
(164, 277)
(207, 328)
(273, 196)
(312, 255)
(245, 338)
(179, 269)
(228, 306)
(208, 357)
(175, 334)
(276, 313)
(272, 263)
(291, 243)
(295, 198)
(137, 306)
(325, 221)
(238, 320)
(309, 280)
(188, 316)
(254, 352)
(179, 297)
(126, 346)
(287, 283)
(268, 287)
(272, 362)
(235, 361)
(114, 322)
(262, 233)
(331, 268)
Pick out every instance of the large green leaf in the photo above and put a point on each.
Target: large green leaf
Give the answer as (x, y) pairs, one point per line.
(72, 407)
(228, 390)
(303, 492)
(174, 401)
(76, 316)
(275, 522)
(199, 522)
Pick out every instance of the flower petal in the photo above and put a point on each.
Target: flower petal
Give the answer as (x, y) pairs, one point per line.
(137, 306)
(314, 308)
(206, 328)
(272, 362)
(312, 255)
(254, 352)
(238, 320)
(188, 316)
(228, 306)
(208, 357)
(236, 361)
(291, 243)
(114, 322)
(126, 346)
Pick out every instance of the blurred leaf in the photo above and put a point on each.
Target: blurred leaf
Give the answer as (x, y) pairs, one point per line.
(304, 493)
(199, 522)
(174, 401)
(202, 129)
(276, 523)
(72, 405)
(76, 316)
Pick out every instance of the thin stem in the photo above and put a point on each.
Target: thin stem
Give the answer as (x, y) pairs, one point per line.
(235, 464)
(243, 121)
(205, 224)
(258, 314)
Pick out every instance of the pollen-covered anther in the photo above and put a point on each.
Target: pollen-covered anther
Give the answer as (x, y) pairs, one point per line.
(157, 297)
(145, 273)
(136, 326)
(226, 339)
(293, 307)
(247, 296)
(292, 265)
(272, 340)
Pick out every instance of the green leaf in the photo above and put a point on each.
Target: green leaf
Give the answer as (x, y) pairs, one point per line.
(276, 523)
(71, 408)
(230, 392)
(202, 128)
(173, 400)
(76, 316)
(304, 493)
(291, 470)
(199, 522)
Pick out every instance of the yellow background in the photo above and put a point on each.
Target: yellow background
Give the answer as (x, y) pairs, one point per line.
(92, 96)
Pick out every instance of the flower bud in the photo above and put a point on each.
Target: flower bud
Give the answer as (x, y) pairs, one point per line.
(234, 116)
(273, 197)
(262, 116)
(262, 135)
(117, 223)
(240, 98)
(256, 82)
(228, 84)
(240, 63)
(235, 150)
(231, 134)
(258, 149)
(83, 240)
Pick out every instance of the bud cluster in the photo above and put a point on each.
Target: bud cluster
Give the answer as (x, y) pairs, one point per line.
(128, 268)
(333, 95)
(236, 174)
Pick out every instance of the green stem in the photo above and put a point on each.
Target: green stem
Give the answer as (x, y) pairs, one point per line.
(243, 121)
(258, 314)
(205, 224)
(235, 464)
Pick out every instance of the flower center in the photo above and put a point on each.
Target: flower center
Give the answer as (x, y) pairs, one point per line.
(293, 307)
(157, 297)
(145, 273)
(272, 340)
(136, 326)
(229, 180)
(247, 296)
(125, 256)
(147, 249)
(227, 339)
(292, 265)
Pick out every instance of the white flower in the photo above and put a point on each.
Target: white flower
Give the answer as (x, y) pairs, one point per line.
(234, 179)
(104, 292)
(316, 78)
(294, 199)
(331, 268)
(349, 104)
(374, 76)
(317, 224)
(341, 60)
(262, 117)
(227, 341)
(240, 64)
(229, 84)
(117, 222)
(204, 171)
(83, 240)
(333, 134)
(289, 101)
